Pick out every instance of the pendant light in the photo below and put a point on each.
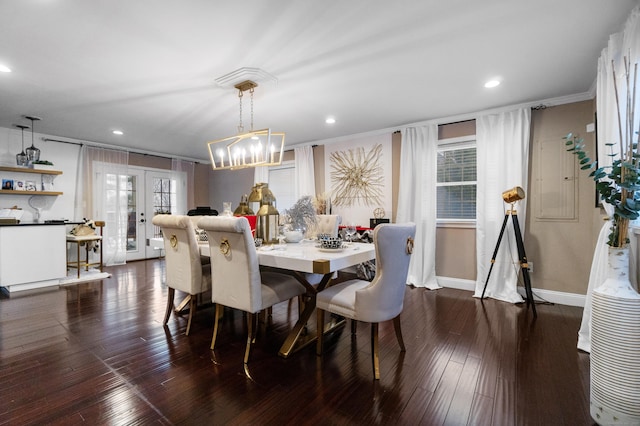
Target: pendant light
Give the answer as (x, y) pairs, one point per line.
(21, 159)
(33, 153)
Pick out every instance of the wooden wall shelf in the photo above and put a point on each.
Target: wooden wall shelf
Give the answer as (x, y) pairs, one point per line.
(28, 170)
(12, 192)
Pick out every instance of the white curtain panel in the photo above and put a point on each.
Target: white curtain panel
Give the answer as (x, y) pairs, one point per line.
(105, 173)
(80, 207)
(183, 173)
(261, 175)
(625, 43)
(502, 161)
(417, 200)
(304, 172)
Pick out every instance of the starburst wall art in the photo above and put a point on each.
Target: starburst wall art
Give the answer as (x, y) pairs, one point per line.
(357, 176)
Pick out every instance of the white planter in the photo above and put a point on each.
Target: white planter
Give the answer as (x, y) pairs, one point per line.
(43, 167)
(615, 346)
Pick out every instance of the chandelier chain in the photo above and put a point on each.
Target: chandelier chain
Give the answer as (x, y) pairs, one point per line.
(251, 92)
(240, 126)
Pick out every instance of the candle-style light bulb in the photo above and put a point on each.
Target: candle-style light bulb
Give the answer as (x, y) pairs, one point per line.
(273, 150)
(221, 155)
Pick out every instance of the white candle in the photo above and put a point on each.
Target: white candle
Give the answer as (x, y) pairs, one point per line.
(259, 151)
(273, 150)
(221, 155)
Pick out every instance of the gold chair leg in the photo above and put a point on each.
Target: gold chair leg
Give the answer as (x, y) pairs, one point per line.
(250, 335)
(192, 310)
(320, 331)
(374, 351)
(396, 326)
(167, 314)
(78, 258)
(218, 315)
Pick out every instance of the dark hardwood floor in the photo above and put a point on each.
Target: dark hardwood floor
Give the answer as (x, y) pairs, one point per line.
(97, 353)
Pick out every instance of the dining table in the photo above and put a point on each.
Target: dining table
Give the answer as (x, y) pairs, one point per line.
(300, 259)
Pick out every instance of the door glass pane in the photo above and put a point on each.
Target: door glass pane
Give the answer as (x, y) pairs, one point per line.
(163, 197)
(164, 201)
(132, 208)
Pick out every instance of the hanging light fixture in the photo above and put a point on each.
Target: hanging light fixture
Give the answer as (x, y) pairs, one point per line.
(250, 149)
(21, 159)
(33, 153)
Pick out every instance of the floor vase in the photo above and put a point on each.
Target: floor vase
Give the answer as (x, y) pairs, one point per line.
(615, 346)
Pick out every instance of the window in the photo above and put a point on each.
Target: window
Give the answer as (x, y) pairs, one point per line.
(282, 184)
(456, 180)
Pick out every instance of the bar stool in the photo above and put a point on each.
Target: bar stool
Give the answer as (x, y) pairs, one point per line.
(85, 240)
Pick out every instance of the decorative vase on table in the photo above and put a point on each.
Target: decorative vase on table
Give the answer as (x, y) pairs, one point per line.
(615, 346)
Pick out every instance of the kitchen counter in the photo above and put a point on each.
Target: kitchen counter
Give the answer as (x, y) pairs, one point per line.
(46, 223)
(32, 255)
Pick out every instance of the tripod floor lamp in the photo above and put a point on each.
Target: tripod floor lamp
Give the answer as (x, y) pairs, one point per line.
(511, 196)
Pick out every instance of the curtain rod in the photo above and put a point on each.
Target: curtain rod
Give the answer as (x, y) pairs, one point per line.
(193, 160)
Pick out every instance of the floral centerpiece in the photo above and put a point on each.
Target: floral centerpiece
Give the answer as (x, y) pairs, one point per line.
(302, 215)
(618, 184)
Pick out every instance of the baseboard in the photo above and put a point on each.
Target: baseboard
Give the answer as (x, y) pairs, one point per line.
(458, 283)
(559, 297)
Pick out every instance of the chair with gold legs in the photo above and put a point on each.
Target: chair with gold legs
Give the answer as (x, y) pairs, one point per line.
(379, 300)
(185, 270)
(238, 282)
(86, 237)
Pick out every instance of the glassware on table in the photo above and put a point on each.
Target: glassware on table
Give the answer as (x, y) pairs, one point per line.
(226, 209)
(350, 230)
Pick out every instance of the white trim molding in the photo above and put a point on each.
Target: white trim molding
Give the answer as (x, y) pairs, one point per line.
(539, 294)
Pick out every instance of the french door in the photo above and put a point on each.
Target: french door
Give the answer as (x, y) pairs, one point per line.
(149, 192)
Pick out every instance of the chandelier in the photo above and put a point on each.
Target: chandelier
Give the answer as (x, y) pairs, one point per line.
(247, 149)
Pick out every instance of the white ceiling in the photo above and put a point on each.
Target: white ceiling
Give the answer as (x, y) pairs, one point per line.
(148, 67)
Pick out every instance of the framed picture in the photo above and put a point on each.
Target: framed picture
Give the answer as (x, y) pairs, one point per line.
(30, 185)
(18, 185)
(7, 184)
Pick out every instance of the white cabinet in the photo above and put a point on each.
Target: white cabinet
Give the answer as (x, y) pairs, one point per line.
(32, 256)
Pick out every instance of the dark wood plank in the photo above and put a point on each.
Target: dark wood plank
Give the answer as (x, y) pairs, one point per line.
(97, 353)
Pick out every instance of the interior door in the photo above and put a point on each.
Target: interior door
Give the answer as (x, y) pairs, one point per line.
(165, 192)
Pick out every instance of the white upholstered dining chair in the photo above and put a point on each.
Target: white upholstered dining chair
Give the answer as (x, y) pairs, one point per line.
(379, 300)
(238, 282)
(184, 268)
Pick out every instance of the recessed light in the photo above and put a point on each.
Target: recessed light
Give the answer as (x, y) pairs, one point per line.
(4, 68)
(118, 132)
(330, 120)
(491, 83)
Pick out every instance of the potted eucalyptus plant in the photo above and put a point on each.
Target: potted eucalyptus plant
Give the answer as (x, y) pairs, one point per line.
(617, 185)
